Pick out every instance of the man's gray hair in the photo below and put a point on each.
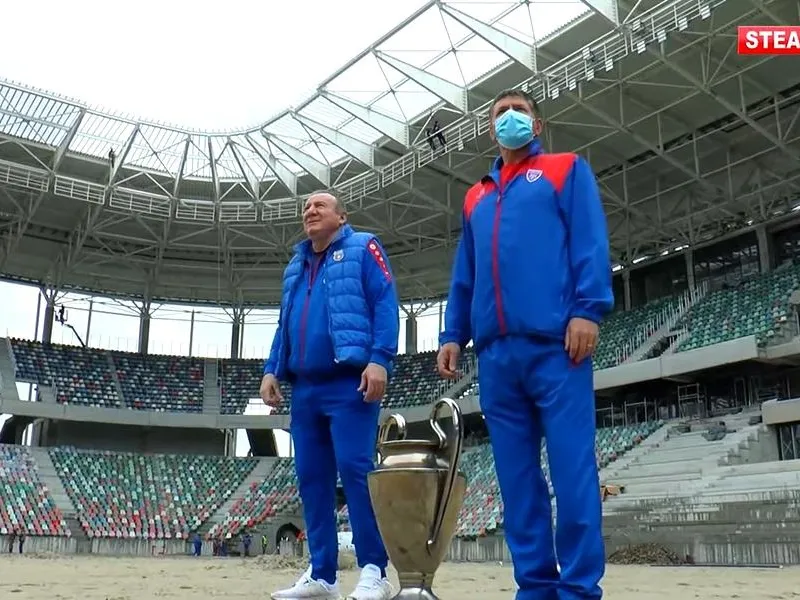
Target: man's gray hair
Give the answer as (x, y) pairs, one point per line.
(340, 207)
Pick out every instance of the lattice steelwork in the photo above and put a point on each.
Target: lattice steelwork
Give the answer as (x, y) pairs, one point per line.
(673, 122)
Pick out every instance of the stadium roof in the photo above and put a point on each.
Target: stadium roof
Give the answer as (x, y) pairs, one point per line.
(178, 214)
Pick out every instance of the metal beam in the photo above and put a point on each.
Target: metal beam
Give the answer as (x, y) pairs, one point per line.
(181, 167)
(63, 147)
(392, 128)
(319, 171)
(20, 227)
(126, 149)
(729, 106)
(517, 50)
(607, 9)
(453, 94)
(73, 250)
(212, 164)
(284, 175)
(247, 174)
(361, 151)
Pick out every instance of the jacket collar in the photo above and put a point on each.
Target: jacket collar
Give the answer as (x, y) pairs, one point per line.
(534, 149)
(304, 248)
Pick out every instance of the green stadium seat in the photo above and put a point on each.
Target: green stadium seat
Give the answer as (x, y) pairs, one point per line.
(122, 495)
(759, 306)
(277, 494)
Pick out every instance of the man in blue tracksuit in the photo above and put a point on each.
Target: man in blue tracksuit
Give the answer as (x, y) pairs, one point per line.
(531, 283)
(335, 343)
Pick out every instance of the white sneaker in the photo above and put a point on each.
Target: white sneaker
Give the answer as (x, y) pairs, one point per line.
(371, 586)
(309, 589)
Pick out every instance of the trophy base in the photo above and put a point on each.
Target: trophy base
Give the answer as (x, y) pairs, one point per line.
(415, 593)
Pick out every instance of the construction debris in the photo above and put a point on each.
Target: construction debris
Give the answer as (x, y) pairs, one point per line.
(646, 554)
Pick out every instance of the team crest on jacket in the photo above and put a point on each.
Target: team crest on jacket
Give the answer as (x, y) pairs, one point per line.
(338, 255)
(533, 175)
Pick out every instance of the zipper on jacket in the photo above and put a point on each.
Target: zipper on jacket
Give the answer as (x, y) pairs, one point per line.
(498, 294)
(312, 276)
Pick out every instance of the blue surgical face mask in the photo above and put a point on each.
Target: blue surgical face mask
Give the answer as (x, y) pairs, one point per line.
(513, 129)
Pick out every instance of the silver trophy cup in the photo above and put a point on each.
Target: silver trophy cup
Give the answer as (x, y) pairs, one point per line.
(417, 492)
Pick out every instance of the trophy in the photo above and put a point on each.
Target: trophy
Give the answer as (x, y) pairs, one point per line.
(417, 492)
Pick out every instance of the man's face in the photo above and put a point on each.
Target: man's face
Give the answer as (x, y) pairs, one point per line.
(518, 104)
(320, 217)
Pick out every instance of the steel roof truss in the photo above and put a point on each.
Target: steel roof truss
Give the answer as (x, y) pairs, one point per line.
(453, 94)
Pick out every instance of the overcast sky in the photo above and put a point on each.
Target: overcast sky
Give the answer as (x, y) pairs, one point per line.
(217, 65)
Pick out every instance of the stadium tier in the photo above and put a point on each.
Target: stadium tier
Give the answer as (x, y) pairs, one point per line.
(482, 511)
(759, 307)
(124, 495)
(99, 378)
(79, 375)
(173, 383)
(25, 503)
(136, 496)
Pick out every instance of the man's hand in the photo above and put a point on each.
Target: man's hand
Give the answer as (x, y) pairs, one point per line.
(447, 360)
(373, 383)
(270, 391)
(581, 339)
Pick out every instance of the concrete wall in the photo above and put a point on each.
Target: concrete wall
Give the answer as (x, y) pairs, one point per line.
(775, 412)
(107, 546)
(705, 542)
(131, 438)
(42, 545)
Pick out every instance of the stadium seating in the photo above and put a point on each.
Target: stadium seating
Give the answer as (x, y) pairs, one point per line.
(241, 379)
(124, 495)
(482, 511)
(174, 383)
(121, 495)
(757, 307)
(415, 380)
(623, 331)
(80, 375)
(163, 383)
(275, 495)
(25, 502)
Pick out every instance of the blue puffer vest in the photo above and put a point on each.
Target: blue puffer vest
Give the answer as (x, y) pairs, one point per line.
(350, 323)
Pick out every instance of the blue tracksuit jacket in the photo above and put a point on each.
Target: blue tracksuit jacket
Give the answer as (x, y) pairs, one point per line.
(339, 310)
(533, 252)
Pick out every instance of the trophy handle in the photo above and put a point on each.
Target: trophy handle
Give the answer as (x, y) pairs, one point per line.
(454, 455)
(383, 433)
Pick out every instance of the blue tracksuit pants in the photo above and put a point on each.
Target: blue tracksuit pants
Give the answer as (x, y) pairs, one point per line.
(529, 390)
(333, 429)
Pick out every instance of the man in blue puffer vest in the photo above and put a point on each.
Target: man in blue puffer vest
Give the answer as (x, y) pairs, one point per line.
(531, 284)
(335, 343)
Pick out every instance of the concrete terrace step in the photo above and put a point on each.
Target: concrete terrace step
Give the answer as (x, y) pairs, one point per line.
(212, 398)
(49, 477)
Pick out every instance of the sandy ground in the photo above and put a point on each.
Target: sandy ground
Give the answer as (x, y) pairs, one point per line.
(107, 578)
